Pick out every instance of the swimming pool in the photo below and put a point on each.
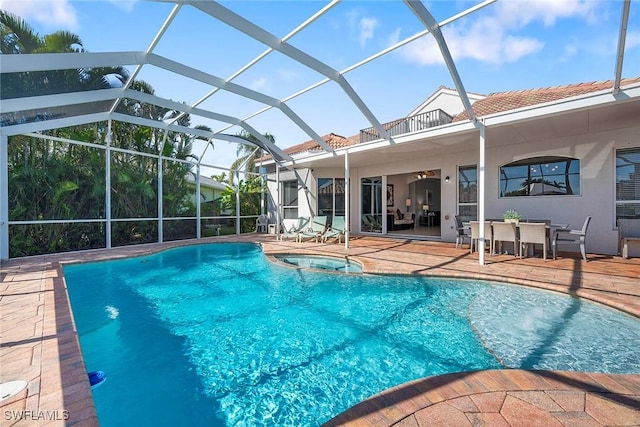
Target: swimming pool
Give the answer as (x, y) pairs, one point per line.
(218, 335)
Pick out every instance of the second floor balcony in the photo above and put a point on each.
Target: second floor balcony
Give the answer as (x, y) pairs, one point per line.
(407, 125)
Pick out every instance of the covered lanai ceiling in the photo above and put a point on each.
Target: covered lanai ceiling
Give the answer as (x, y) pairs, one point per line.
(327, 76)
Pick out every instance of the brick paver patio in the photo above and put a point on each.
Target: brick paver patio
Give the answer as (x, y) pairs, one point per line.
(39, 342)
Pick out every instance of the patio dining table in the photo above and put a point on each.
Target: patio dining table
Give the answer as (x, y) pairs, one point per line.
(550, 227)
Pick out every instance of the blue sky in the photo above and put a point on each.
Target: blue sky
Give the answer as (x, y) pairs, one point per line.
(508, 45)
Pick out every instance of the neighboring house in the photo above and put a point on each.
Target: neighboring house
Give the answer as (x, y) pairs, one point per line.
(558, 153)
(210, 193)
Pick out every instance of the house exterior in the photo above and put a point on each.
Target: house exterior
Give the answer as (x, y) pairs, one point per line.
(560, 154)
(210, 193)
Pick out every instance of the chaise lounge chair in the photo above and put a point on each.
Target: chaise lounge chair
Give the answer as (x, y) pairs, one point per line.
(336, 230)
(370, 223)
(297, 228)
(318, 225)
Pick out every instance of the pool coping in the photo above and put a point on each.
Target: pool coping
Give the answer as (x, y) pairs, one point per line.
(40, 340)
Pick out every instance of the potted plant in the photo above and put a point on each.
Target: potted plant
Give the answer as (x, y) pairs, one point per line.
(511, 215)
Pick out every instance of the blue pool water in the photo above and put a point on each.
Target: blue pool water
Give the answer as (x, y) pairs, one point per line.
(218, 335)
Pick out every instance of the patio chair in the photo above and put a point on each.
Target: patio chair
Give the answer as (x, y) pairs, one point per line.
(628, 230)
(475, 234)
(534, 233)
(297, 228)
(573, 237)
(336, 230)
(318, 225)
(261, 223)
(504, 232)
(462, 232)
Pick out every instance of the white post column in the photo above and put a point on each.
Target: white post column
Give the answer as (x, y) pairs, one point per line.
(347, 213)
(4, 196)
(107, 193)
(278, 202)
(237, 203)
(263, 189)
(198, 228)
(383, 203)
(160, 225)
(481, 188)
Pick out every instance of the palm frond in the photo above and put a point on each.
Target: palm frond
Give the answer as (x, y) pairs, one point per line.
(21, 36)
(61, 41)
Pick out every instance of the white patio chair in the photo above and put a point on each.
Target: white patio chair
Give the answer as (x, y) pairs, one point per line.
(504, 232)
(475, 234)
(535, 234)
(261, 223)
(628, 230)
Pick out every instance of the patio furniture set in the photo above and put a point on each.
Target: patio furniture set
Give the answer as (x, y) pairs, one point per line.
(521, 233)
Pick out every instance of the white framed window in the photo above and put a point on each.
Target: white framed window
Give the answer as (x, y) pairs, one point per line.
(331, 197)
(468, 190)
(290, 199)
(628, 183)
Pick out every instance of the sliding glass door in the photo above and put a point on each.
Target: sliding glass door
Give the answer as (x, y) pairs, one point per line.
(371, 207)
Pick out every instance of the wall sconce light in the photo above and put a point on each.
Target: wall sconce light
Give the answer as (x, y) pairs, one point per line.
(408, 203)
(446, 179)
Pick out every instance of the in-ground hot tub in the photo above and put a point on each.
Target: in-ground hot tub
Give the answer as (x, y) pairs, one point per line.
(342, 265)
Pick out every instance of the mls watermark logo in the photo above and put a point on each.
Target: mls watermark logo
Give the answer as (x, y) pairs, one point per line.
(27, 415)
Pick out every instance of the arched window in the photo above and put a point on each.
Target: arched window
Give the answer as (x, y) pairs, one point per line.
(540, 176)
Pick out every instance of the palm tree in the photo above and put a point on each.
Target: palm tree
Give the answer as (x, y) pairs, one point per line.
(18, 37)
(248, 154)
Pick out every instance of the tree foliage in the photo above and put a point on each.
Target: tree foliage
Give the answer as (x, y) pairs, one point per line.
(250, 198)
(18, 37)
(248, 154)
(58, 181)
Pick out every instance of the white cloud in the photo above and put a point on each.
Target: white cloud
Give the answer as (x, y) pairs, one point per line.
(126, 5)
(493, 37)
(546, 11)
(287, 74)
(366, 28)
(51, 14)
(360, 26)
(515, 48)
(261, 84)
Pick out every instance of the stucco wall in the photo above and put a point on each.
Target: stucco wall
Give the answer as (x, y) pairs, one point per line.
(595, 150)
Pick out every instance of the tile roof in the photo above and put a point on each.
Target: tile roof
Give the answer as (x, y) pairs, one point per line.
(505, 101)
(334, 140)
(493, 103)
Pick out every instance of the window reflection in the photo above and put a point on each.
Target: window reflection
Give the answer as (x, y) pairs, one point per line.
(540, 176)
